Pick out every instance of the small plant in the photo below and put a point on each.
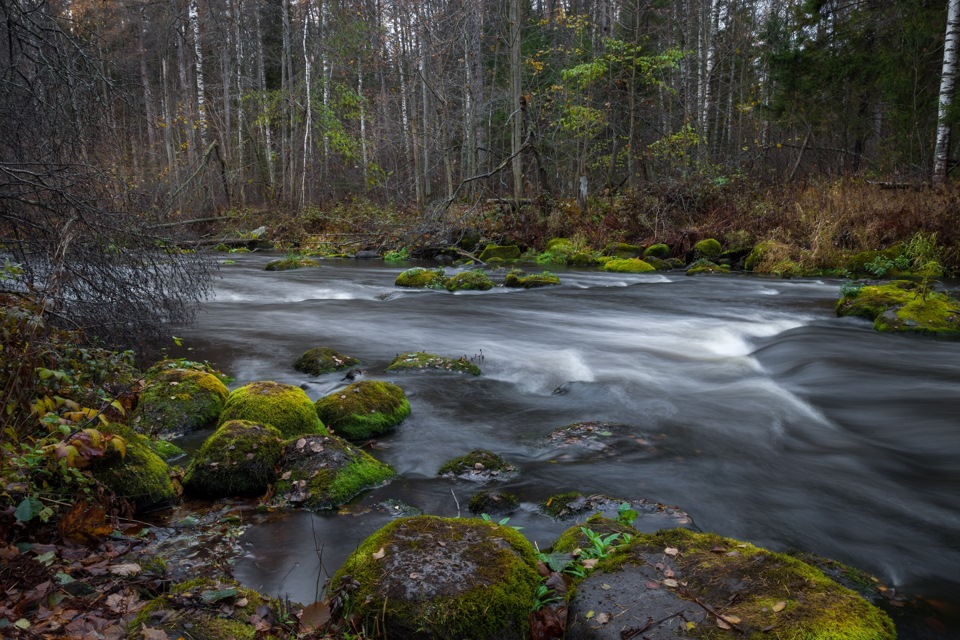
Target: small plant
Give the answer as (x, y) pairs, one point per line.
(544, 596)
(851, 289)
(500, 523)
(602, 545)
(626, 515)
(397, 256)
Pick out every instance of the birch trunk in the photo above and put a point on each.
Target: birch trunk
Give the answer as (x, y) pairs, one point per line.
(264, 117)
(148, 107)
(308, 116)
(517, 130)
(193, 14)
(948, 83)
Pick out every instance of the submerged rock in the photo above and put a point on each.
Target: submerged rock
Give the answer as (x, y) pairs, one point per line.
(239, 459)
(289, 263)
(283, 406)
(177, 401)
(520, 280)
(364, 409)
(421, 278)
(431, 578)
(651, 516)
(479, 464)
(475, 280)
(605, 438)
(492, 502)
(320, 360)
(902, 307)
(678, 583)
(323, 472)
(420, 361)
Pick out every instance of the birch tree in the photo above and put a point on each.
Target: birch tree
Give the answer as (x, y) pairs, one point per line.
(948, 82)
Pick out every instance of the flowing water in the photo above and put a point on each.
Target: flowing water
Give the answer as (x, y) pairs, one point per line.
(766, 418)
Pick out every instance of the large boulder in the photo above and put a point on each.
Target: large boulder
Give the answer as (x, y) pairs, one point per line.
(430, 578)
(628, 265)
(420, 361)
(320, 360)
(902, 306)
(709, 248)
(475, 280)
(678, 583)
(139, 475)
(364, 409)
(622, 250)
(503, 252)
(323, 472)
(239, 459)
(291, 262)
(659, 250)
(283, 406)
(177, 401)
(520, 280)
(420, 278)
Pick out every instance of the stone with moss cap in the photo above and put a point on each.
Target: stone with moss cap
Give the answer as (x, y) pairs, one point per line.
(239, 459)
(176, 401)
(504, 252)
(282, 406)
(428, 578)
(628, 265)
(479, 464)
(323, 472)
(420, 278)
(755, 257)
(519, 280)
(651, 516)
(202, 608)
(469, 281)
(677, 571)
(290, 262)
(492, 502)
(702, 265)
(364, 409)
(140, 475)
(420, 361)
(901, 306)
(622, 250)
(708, 248)
(320, 360)
(659, 250)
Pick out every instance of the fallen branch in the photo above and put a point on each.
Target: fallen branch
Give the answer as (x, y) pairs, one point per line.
(626, 634)
(686, 594)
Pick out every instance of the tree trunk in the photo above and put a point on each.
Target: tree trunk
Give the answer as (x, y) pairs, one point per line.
(193, 13)
(264, 116)
(948, 82)
(517, 130)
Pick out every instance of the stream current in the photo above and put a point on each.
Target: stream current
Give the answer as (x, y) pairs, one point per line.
(768, 419)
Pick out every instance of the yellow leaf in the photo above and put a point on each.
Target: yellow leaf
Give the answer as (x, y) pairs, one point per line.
(119, 407)
(590, 614)
(780, 606)
(691, 625)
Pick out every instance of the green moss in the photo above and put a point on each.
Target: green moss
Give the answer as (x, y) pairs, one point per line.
(899, 306)
(492, 502)
(520, 280)
(421, 278)
(469, 281)
(364, 409)
(221, 248)
(622, 250)
(705, 266)
(658, 263)
(557, 503)
(658, 250)
(582, 259)
(166, 449)
(487, 460)
(290, 262)
(574, 538)
(419, 361)
(182, 363)
(708, 248)
(140, 475)
(239, 459)
(179, 400)
(504, 252)
(483, 591)
(282, 406)
(320, 360)
(857, 264)
(755, 257)
(630, 265)
(558, 243)
(323, 472)
(714, 568)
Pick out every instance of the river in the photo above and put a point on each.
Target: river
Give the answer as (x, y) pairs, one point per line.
(766, 418)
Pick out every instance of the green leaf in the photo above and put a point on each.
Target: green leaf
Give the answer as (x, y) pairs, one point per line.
(28, 510)
(216, 596)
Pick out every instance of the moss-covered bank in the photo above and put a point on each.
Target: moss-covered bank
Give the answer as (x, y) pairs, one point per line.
(904, 307)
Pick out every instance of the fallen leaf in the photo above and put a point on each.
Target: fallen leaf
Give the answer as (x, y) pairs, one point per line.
(590, 563)
(691, 625)
(590, 614)
(603, 618)
(670, 582)
(780, 606)
(376, 555)
(153, 634)
(733, 619)
(606, 587)
(669, 573)
(414, 576)
(671, 551)
(84, 523)
(126, 569)
(211, 596)
(722, 624)
(315, 616)
(652, 584)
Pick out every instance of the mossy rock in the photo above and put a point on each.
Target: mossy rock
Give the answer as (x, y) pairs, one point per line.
(622, 250)
(659, 250)
(601, 439)
(562, 244)
(479, 464)
(658, 263)
(582, 259)
(519, 280)
(628, 265)
(492, 502)
(420, 278)
(709, 248)
(282, 406)
(239, 459)
(574, 538)
(706, 266)
(166, 449)
(734, 257)
(140, 475)
(181, 363)
(469, 281)
(755, 257)
(900, 307)
(504, 252)
(651, 516)
(429, 578)
(202, 608)
(177, 401)
(668, 576)
(320, 360)
(420, 361)
(857, 263)
(364, 409)
(323, 472)
(289, 263)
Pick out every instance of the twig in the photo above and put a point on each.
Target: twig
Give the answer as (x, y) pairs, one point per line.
(457, 501)
(626, 634)
(686, 593)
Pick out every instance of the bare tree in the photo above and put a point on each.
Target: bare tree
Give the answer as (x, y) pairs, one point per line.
(948, 83)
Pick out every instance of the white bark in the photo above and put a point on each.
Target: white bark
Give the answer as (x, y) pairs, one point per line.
(308, 123)
(517, 130)
(193, 14)
(363, 124)
(709, 30)
(948, 83)
(264, 120)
